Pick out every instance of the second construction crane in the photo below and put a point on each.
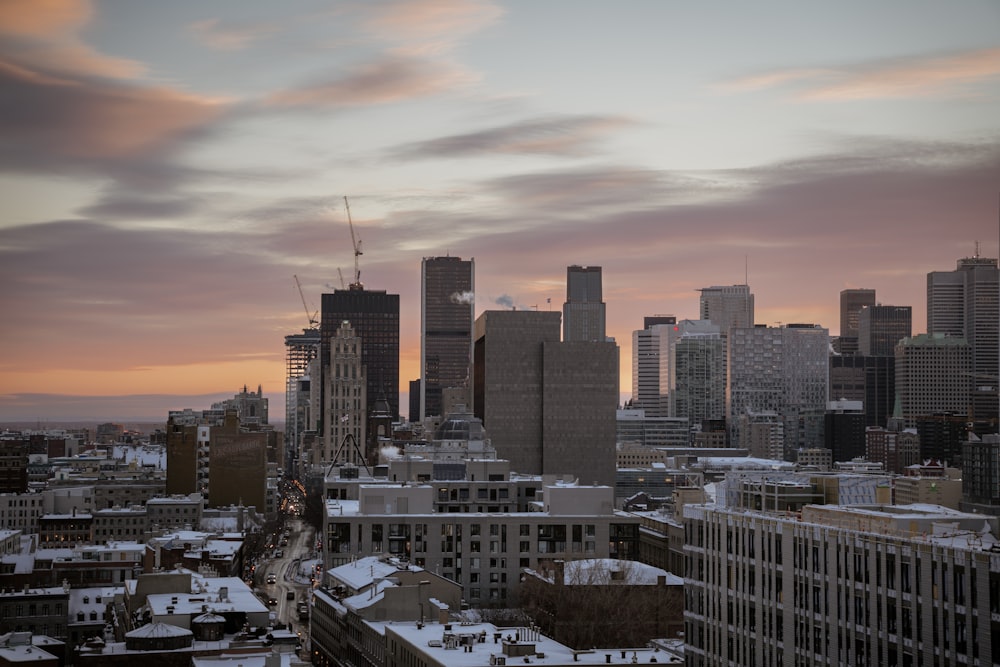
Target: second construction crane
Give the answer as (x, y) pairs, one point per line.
(356, 242)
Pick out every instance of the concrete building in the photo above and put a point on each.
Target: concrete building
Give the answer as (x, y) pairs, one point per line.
(696, 386)
(929, 483)
(839, 585)
(650, 365)
(965, 303)
(729, 307)
(466, 532)
(548, 405)
(584, 310)
(345, 410)
(894, 450)
(447, 311)
(784, 370)
(932, 372)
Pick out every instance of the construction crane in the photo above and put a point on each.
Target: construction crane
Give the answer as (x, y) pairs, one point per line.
(341, 274)
(357, 248)
(312, 318)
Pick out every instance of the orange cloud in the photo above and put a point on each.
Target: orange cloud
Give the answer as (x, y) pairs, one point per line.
(918, 77)
(436, 21)
(42, 34)
(388, 80)
(930, 76)
(43, 19)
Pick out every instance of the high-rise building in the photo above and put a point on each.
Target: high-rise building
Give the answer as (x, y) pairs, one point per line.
(851, 303)
(844, 429)
(697, 371)
(871, 380)
(346, 409)
(932, 372)
(300, 349)
(374, 316)
(840, 585)
(966, 303)
(727, 306)
(981, 474)
(550, 406)
(880, 328)
(650, 371)
(784, 370)
(446, 315)
(508, 385)
(580, 403)
(584, 310)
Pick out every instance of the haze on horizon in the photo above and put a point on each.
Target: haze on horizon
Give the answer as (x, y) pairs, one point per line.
(169, 167)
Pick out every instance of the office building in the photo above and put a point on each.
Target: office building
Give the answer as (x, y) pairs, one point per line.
(869, 380)
(584, 310)
(345, 414)
(784, 370)
(523, 372)
(851, 303)
(844, 429)
(932, 372)
(447, 310)
(981, 474)
(508, 377)
(374, 317)
(650, 365)
(965, 303)
(300, 349)
(880, 328)
(727, 306)
(696, 370)
(841, 585)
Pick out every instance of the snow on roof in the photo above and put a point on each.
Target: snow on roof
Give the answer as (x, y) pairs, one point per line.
(159, 631)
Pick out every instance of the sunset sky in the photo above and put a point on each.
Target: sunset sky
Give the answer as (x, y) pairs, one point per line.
(169, 167)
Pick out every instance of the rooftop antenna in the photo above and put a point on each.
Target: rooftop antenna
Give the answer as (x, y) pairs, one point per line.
(356, 242)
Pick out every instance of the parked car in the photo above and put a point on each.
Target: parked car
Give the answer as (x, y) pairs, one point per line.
(290, 595)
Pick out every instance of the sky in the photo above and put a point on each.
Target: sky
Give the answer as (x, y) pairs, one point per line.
(169, 169)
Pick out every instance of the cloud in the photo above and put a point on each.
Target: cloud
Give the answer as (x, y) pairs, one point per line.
(387, 79)
(942, 75)
(559, 136)
(436, 25)
(230, 36)
(43, 34)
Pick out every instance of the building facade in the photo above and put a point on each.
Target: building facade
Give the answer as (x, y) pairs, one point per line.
(447, 311)
(728, 306)
(880, 328)
(932, 376)
(584, 316)
(874, 585)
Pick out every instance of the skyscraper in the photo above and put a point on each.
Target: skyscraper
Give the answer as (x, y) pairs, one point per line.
(932, 372)
(851, 303)
(374, 316)
(966, 303)
(880, 328)
(300, 349)
(784, 370)
(508, 381)
(523, 372)
(697, 371)
(650, 369)
(584, 310)
(345, 411)
(446, 318)
(727, 306)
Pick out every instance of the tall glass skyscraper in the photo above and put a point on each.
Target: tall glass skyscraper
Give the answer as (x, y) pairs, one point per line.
(447, 305)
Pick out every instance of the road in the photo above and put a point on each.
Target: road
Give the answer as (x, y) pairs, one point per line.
(288, 577)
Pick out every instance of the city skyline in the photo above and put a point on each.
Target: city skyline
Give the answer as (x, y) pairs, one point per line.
(172, 166)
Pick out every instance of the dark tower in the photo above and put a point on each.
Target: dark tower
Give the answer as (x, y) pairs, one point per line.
(446, 316)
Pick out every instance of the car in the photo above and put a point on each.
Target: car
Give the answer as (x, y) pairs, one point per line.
(272, 579)
(290, 595)
(278, 553)
(272, 601)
